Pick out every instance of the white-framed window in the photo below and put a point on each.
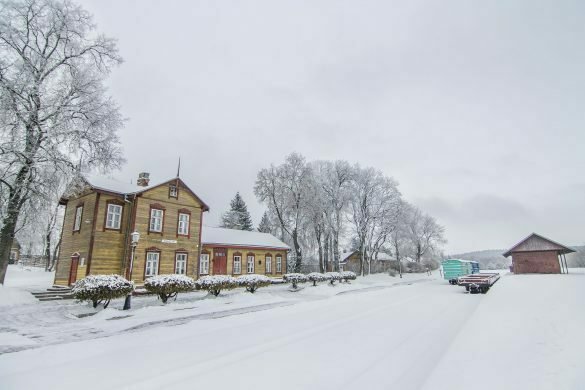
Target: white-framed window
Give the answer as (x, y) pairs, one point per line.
(152, 259)
(156, 220)
(183, 226)
(114, 216)
(237, 264)
(78, 214)
(278, 263)
(180, 263)
(173, 193)
(204, 264)
(250, 264)
(268, 261)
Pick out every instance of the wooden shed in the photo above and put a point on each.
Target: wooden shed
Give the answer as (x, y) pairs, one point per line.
(538, 255)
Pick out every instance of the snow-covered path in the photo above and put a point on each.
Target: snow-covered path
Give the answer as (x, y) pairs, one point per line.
(378, 339)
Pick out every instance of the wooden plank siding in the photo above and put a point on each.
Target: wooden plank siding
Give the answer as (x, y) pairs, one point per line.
(107, 256)
(109, 252)
(190, 245)
(259, 259)
(75, 242)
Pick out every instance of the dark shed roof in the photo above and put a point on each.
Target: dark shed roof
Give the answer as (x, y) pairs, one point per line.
(535, 243)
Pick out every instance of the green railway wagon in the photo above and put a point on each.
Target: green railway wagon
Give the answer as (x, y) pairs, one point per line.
(454, 268)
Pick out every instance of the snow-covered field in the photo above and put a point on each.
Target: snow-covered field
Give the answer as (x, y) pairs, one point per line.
(377, 333)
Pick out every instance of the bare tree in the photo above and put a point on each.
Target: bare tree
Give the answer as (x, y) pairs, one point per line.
(54, 111)
(334, 179)
(284, 189)
(317, 216)
(373, 203)
(424, 232)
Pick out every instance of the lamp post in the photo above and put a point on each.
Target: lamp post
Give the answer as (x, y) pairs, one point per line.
(135, 237)
(400, 268)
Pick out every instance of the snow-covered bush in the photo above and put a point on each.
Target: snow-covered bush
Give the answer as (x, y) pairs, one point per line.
(316, 277)
(295, 279)
(215, 283)
(101, 289)
(334, 277)
(348, 275)
(168, 286)
(253, 282)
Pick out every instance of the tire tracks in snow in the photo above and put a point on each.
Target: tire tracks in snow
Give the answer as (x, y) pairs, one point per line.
(220, 361)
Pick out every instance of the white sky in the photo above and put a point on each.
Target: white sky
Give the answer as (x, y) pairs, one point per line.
(476, 108)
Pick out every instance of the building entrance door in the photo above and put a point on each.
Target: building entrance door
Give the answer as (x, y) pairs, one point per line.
(219, 261)
(73, 269)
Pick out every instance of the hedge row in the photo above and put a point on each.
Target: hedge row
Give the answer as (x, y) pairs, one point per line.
(317, 277)
(103, 288)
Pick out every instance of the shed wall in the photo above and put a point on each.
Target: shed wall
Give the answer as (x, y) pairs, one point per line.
(543, 262)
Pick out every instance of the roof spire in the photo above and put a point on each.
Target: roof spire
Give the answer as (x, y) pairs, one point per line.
(179, 167)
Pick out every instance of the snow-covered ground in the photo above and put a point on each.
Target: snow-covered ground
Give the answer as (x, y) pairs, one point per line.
(377, 333)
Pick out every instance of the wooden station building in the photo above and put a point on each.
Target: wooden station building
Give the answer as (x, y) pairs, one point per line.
(102, 214)
(539, 255)
(239, 252)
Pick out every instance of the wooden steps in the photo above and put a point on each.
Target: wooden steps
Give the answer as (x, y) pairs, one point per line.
(54, 293)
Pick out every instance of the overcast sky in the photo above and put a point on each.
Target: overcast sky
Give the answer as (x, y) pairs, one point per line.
(476, 108)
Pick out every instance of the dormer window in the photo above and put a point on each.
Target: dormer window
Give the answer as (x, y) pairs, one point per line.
(173, 191)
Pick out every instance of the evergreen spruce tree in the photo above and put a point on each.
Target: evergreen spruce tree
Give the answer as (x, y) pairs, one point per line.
(238, 216)
(264, 226)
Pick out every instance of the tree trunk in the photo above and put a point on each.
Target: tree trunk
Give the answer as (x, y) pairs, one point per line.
(361, 259)
(336, 250)
(55, 255)
(6, 240)
(9, 223)
(326, 254)
(48, 249)
(298, 252)
(318, 236)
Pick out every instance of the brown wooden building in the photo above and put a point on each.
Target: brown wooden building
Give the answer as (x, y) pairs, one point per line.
(239, 252)
(350, 261)
(539, 255)
(101, 216)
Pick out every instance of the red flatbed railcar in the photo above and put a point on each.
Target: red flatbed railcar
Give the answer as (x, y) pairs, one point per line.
(478, 283)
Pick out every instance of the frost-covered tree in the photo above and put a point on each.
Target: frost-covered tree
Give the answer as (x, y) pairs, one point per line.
(237, 217)
(399, 237)
(284, 189)
(373, 200)
(424, 233)
(265, 226)
(334, 179)
(55, 113)
(318, 212)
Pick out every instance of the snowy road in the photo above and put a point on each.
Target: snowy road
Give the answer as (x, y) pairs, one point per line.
(379, 339)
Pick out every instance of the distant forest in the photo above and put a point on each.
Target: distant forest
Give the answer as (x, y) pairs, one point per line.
(493, 259)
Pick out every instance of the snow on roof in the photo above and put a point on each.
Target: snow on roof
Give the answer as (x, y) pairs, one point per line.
(113, 185)
(344, 256)
(243, 238)
(381, 256)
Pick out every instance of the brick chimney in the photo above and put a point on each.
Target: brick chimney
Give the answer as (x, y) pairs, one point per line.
(143, 179)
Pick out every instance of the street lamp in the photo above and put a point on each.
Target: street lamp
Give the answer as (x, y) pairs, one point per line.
(135, 237)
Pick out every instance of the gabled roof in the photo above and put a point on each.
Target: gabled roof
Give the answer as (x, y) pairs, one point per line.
(536, 242)
(381, 256)
(345, 255)
(240, 238)
(102, 183)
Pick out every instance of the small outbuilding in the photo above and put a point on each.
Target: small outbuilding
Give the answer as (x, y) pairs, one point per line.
(538, 255)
